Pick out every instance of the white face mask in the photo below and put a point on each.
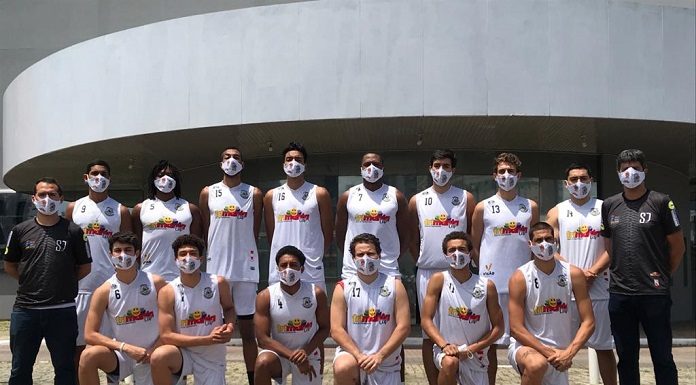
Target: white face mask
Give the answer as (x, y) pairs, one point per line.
(188, 264)
(458, 260)
(289, 276)
(165, 184)
(123, 261)
(46, 206)
(367, 265)
(293, 168)
(631, 177)
(231, 166)
(371, 173)
(544, 250)
(440, 176)
(506, 181)
(579, 190)
(98, 183)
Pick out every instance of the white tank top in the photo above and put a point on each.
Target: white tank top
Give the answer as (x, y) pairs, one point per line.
(373, 212)
(581, 243)
(98, 222)
(546, 313)
(505, 241)
(197, 311)
(132, 310)
(438, 215)
(370, 320)
(298, 223)
(293, 316)
(463, 314)
(163, 222)
(232, 249)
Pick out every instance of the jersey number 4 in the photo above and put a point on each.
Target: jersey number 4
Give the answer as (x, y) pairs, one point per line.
(280, 304)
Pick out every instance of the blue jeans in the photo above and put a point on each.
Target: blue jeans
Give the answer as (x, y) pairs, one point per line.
(28, 327)
(653, 312)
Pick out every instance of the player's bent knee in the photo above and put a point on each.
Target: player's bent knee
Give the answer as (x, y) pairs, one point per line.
(531, 362)
(345, 365)
(96, 357)
(166, 356)
(266, 362)
(450, 364)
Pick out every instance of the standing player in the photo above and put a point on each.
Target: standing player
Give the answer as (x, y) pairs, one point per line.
(128, 302)
(299, 213)
(369, 320)
(461, 315)
(646, 245)
(191, 310)
(577, 223)
(435, 212)
(161, 218)
(500, 227)
(375, 208)
(292, 321)
(231, 213)
(543, 343)
(99, 216)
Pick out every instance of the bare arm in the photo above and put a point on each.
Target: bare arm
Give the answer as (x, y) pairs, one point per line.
(470, 206)
(12, 269)
(258, 211)
(69, 211)
(535, 212)
(83, 270)
(269, 216)
(430, 303)
(196, 221)
(552, 219)
(495, 314)
(205, 212)
(403, 321)
(126, 220)
(518, 292)
(414, 239)
(135, 219)
(341, 220)
(226, 300)
(323, 321)
(338, 323)
(676, 250)
(402, 220)
(326, 216)
(477, 230)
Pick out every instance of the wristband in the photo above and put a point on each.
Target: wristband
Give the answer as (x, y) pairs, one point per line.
(465, 349)
(120, 348)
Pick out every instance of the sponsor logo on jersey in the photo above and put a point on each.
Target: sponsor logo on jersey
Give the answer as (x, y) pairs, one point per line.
(488, 270)
(231, 211)
(373, 215)
(442, 220)
(165, 223)
(463, 313)
(293, 215)
(134, 315)
(294, 326)
(552, 305)
(95, 229)
(198, 318)
(371, 316)
(582, 232)
(510, 228)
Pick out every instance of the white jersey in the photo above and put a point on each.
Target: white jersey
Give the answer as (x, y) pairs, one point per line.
(505, 240)
(370, 315)
(198, 311)
(373, 212)
(232, 249)
(293, 316)
(581, 242)
(132, 310)
(98, 222)
(438, 215)
(163, 222)
(298, 223)
(546, 313)
(462, 314)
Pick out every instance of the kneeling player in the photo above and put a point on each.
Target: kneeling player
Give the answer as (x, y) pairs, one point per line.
(191, 324)
(128, 301)
(292, 321)
(465, 309)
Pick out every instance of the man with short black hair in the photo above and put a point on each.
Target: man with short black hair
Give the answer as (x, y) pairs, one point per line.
(646, 245)
(47, 255)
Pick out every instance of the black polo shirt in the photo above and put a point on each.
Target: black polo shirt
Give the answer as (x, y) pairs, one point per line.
(48, 257)
(638, 231)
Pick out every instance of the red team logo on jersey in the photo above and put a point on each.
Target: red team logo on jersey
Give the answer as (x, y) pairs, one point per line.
(584, 231)
(373, 215)
(294, 326)
(293, 215)
(371, 316)
(463, 313)
(442, 220)
(134, 315)
(197, 318)
(231, 211)
(96, 229)
(552, 305)
(167, 223)
(510, 228)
